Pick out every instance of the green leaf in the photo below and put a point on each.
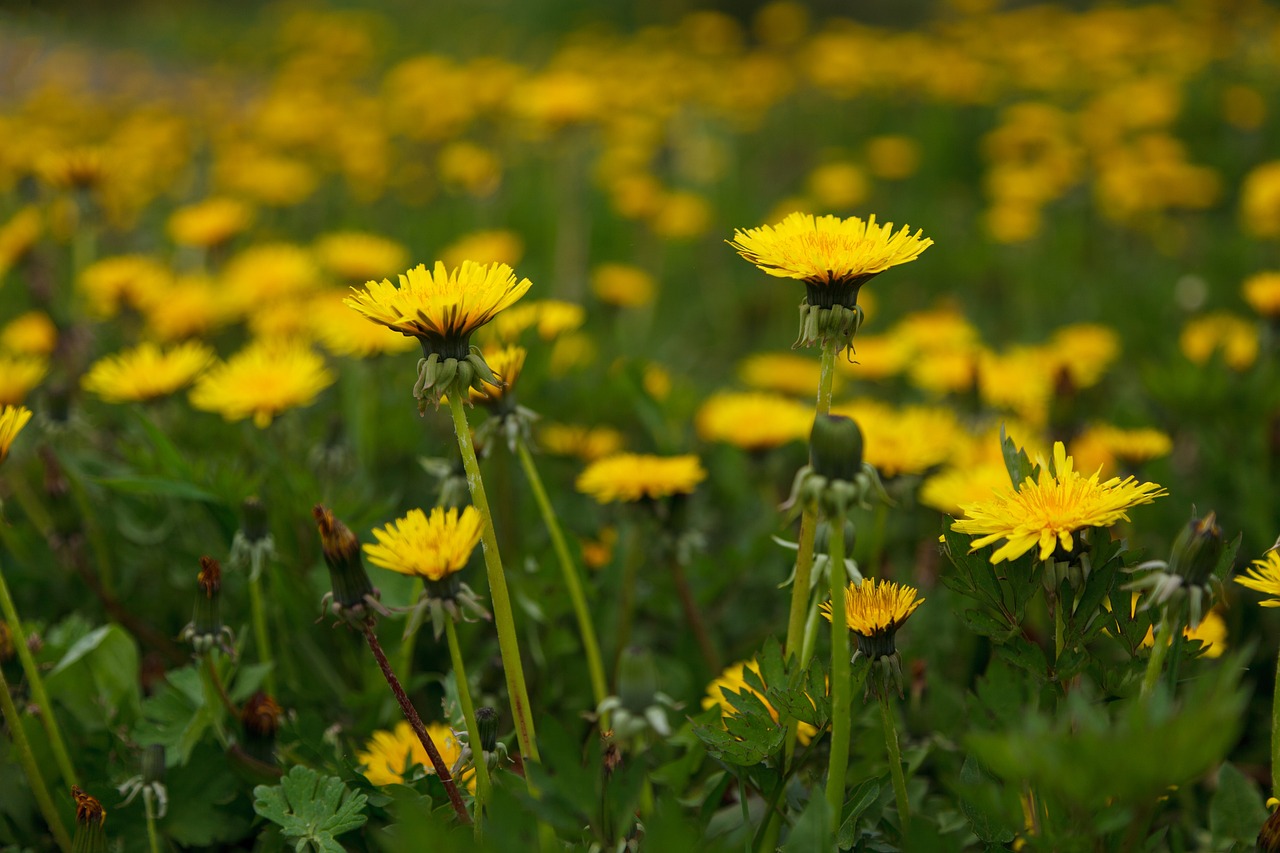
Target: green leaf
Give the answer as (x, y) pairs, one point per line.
(312, 808)
(97, 678)
(157, 487)
(1016, 461)
(863, 797)
(176, 717)
(812, 830)
(751, 742)
(1025, 655)
(1236, 812)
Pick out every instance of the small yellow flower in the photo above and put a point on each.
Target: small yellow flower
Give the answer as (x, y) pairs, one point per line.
(1260, 200)
(19, 235)
(911, 440)
(876, 608)
(431, 547)
(785, 373)
(18, 375)
(211, 222)
(390, 755)
(356, 256)
(633, 477)
(551, 317)
(189, 306)
(838, 186)
(441, 308)
(261, 381)
(753, 420)
(586, 443)
(129, 279)
(1235, 337)
(271, 271)
(828, 251)
(1262, 292)
(12, 420)
(146, 372)
(952, 488)
(893, 158)
(622, 285)
(734, 681)
(1101, 445)
(1048, 512)
(32, 333)
(1264, 577)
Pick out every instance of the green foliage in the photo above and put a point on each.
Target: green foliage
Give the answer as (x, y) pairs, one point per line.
(311, 808)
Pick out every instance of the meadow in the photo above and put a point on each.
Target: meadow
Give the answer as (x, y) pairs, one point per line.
(409, 439)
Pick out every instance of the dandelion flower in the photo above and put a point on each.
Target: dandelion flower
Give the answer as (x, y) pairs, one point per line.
(551, 317)
(876, 609)
(622, 286)
(1101, 445)
(1235, 337)
(124, 279)
(585, 442)
(1264, 577)
(390, 755)
(18, 375)
(486, 247)
(261, 381)
(211, 222)
(753, 420)
(633, 477)
(506, 364)
(1262, 292)
(12, 420)
(441, 308)
(431, 547)
(1048, 512)
(344, 332)
(146, 372)
(356, 256)
(32, 333)
(784, 372)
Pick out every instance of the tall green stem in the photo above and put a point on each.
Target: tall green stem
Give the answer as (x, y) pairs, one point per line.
(260, 637)
(36, 685)
(1168, 625)
(572, 582)
(153, 840)
(473, 726)
(503, 617)
(841, 686)
(29, 766)
(895, 761)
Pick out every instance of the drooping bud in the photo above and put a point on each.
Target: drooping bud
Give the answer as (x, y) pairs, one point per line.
(1192, 574)
(354, 597)
(91, 836)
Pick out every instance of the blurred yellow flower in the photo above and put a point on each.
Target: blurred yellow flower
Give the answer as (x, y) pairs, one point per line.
(1244, 107)
(656, 381)
(470, 168)
(389, 755)
(1212, 632)
(1100, 446)
(753, 420)
(586, 443)
(631, 477)
(19, 235)
(1047, 513)
(838, 186)
(430, 547)
(344, 332)
(597, 553)
(622, 285)
(1234, 337)
(18, 375)
(261, 381)
(551, 317)
(211, 222)
(1262, 292)
(441, 307)
(733, 680)
(485, 247)
(189, 306)
(953, 488)
(125, 279)
(146, 372)
(266, 272)
(1264, 577)
(31, 333)
(786, 373)
(875, 357)
(1012, 221)
(570, 352)
(12, 420)
(892, 157)
(506, 364)
(910, 440)
(1260, 200)
(357, 256)
(681, 215)
(1083, 351)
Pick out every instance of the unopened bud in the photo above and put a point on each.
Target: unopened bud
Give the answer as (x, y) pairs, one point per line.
(487, 722)
(1198, 549)
(353, 593)
(90, 818)
(835, 447)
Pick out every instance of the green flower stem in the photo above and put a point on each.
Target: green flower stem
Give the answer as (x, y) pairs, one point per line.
(36, 684)
(29, 766)
(572, 582)
(415, 723)
(153, 839)
(841, 685)
(1275, 734)
(895, 761)
(747, 834)
(503, 617)
(627, 598)
(261, 639)
(473, 727)
(405, 662)
(1168, 625)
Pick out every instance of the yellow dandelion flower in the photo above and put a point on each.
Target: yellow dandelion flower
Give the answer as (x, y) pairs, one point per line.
(946, 371)
(656, 381)
(910, 440)
(441, 308)
(733, 680)
(632, 477)
(681, 215)
(838, 186)
(272, 271)
(1020, 379)
(1264, 577)
(1260, 200)
(585, 442)
(77, 168)
(598, 553)
(551, 317)
(1101, 445)
(356, 256)
(19, 235)
(937, 329)
(465, 166)
(431, 547)
(146, 372)
(344, 332)
(876, 608)
(261, 381)
(506, 364)
(753, 420)
(125, 279)
(833, 256)
(892, 158)
(389, 755)
(1262, 292)
(1083, 352)
(785, 373)
(18, 375)
(570, 352)
(1235, 337)
(32, 333)
(211, 222)
(284, 318)
(953, 488)
(1048, 512)
(486, 247)
(1212, 632)
(12, 420)
(190, 306)
(622, 285)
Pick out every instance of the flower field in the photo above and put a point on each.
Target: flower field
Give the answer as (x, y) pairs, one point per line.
(409, 439)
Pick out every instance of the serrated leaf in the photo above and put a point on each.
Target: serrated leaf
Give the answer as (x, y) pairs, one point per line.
(986, 625)
(751, 743)
(312, 808)
(1025, 655)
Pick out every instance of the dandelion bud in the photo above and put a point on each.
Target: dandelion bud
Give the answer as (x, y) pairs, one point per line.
(835, 447)
(1198, 549)
(253, 545)
(153, 764)
(254, 524)
(260, 719)
(90, 818)
(206, 630)
(487, 723)
(353, 593)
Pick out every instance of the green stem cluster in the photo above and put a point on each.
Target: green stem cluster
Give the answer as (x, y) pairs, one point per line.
(503, 616)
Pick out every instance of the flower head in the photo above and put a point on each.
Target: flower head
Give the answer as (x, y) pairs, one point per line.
(1264, 577)
(357, 256)
(622, 285)
(32, 333)
(1234, 337)
(1048, 512)
(753, 420)
(12, 420)
(633, 477)
(146, 371)
(586, 442)
(18, 375)
(431, 547)
(210, 222)
(441, 307)
(506, 363)
(390, 755)
(1262, 292)
(876, 609)
(262, 380)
